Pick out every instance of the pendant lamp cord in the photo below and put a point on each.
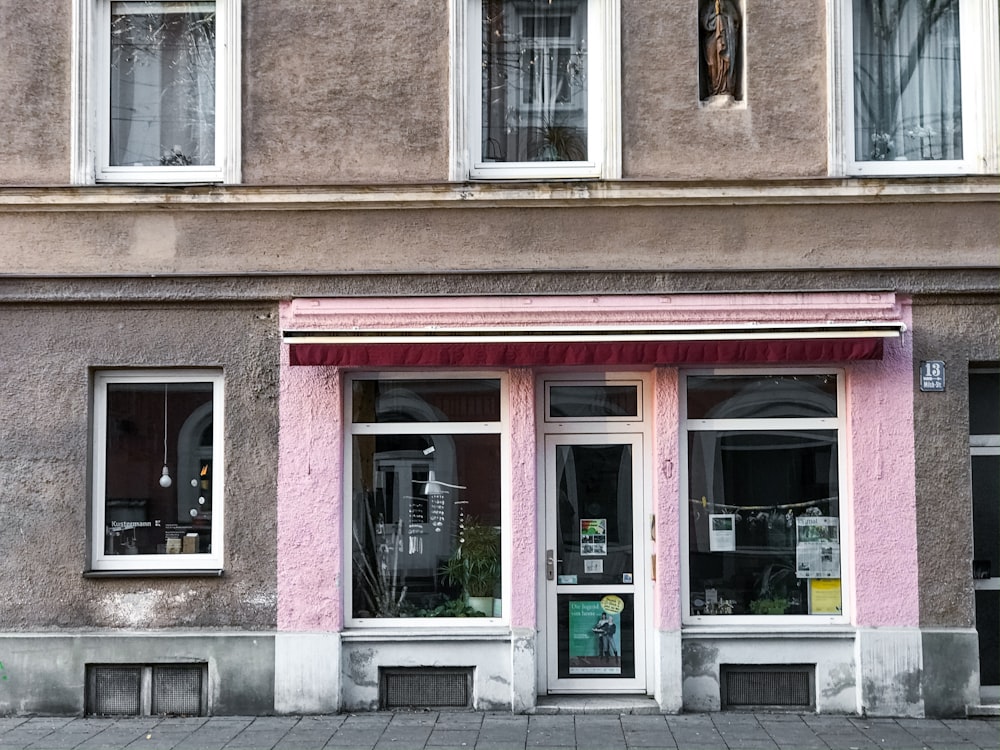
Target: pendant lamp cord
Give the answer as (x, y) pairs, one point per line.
(164, 424)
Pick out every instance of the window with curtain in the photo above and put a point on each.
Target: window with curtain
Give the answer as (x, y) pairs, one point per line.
(159, 91)
(915, 83)
(907, 80)
(163, 70)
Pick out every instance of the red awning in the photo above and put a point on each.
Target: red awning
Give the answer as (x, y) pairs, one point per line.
(602, 353)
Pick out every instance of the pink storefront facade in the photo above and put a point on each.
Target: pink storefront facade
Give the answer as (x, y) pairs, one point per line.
(687, 495)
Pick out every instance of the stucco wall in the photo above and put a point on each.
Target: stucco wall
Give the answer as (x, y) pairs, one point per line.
(955, 332)
(34, 94)
(345, 92)
(779, 129)
(44, 456)
(658, 238)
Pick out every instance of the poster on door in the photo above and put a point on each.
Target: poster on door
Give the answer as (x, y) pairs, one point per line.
(594, 639)
(593, 536)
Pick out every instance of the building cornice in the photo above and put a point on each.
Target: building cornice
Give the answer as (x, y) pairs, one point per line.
(582, 194)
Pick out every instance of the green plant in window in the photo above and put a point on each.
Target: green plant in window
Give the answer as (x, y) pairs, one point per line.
(552, 142)
(776, 606)
(452, 608)
(475, 564)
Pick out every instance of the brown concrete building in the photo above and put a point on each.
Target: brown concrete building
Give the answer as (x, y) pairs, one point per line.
(687, 311)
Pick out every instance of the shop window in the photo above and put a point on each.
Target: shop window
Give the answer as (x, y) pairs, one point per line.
(157, 496)
(763, 506)
(539, 88)
(159, 91)
(918, 82)
(426, 498)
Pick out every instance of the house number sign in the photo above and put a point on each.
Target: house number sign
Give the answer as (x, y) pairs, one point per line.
(932, 375)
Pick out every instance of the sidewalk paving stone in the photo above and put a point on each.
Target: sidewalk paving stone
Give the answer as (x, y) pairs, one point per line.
(472, 730)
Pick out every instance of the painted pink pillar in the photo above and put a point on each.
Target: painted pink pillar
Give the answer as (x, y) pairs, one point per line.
(525, 510)
(666, 499)
(883, 494)
(310, 516)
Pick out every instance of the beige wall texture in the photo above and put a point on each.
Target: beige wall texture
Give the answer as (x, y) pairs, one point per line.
(45, 390)
(226, 239)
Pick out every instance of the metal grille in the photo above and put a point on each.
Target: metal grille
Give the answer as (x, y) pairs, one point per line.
(420, 688)
(780, 686)
(114, 691)
(177, 690)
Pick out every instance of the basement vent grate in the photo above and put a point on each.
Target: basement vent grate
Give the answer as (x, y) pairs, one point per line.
(114, 691)
(145, 689)
(767, 686)
(425, 688)
(177, 690)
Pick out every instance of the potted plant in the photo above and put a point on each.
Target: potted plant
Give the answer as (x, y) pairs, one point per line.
(475, 565)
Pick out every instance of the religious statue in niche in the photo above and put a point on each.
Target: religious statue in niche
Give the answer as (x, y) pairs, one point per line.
(719, 23)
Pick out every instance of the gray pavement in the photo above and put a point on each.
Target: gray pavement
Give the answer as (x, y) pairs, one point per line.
(501, 731)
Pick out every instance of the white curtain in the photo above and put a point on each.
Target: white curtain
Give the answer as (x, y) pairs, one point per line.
(162, 83)
(907, 80)
(534, 80)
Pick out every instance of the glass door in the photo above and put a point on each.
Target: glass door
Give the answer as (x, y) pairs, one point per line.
(594, 556)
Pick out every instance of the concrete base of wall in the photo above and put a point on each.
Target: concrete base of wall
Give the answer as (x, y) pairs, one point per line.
(45, 673)
(881, 672)
(668, 685)
(307, 673)
(489, 656)
(950, 680)
(890, 662)
(832, 652)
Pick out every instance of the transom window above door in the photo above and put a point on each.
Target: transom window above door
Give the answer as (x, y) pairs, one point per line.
(538, 83)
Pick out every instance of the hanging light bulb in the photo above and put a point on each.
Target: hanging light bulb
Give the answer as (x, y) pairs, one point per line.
(165, 480)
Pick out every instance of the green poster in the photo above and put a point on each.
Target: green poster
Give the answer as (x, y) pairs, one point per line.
(594, 639)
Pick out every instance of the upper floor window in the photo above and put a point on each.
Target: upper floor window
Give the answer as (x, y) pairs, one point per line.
(158, 85)
(919, 91)
(540, 78)
(157, 497)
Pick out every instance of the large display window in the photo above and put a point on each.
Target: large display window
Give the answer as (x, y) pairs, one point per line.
(763, 501)
(427, 501)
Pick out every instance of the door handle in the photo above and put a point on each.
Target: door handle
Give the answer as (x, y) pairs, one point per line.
(550, 565)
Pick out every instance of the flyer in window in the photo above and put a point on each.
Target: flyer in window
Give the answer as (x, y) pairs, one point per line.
(593, 536)
(594, 639)
(825, 597)
(817, 547)
(721, 532)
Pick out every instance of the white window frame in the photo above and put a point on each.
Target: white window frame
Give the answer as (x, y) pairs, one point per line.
(838, 423)
(501, 428)
(196, 562)
(603, 107)
(980, 63)
(91, 91)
